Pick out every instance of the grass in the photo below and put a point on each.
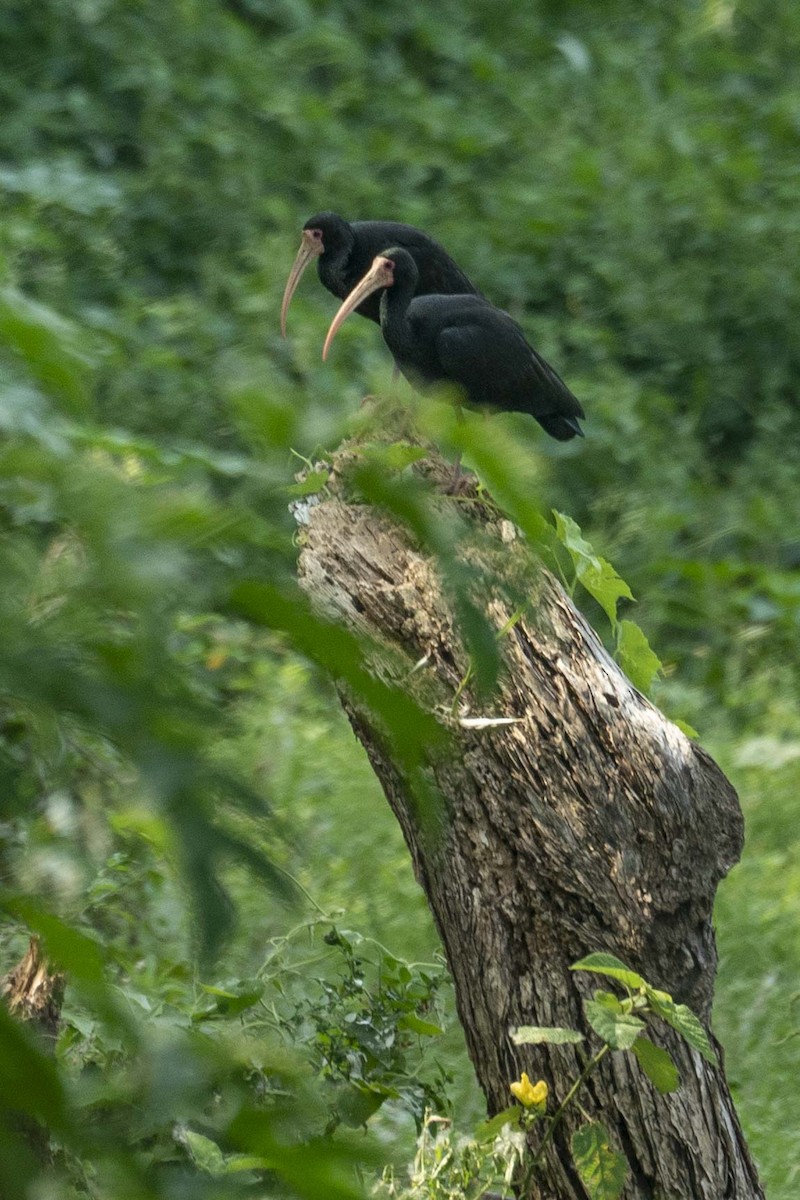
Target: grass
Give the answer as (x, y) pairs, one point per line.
(758, 934)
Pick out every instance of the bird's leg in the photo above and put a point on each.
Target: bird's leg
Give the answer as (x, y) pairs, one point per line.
(462, 481)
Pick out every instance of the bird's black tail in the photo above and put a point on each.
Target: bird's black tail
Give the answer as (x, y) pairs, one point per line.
(561, 428)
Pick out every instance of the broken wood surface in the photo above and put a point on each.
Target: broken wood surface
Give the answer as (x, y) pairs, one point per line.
(589, 822)
(33, 992)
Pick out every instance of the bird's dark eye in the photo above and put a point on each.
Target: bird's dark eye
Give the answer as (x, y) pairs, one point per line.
(317, 234)
(390, 264)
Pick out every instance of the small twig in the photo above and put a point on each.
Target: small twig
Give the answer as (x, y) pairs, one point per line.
(557, 1115)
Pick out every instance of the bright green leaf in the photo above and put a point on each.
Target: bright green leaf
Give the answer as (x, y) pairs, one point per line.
(683, 1020)
(657, 1065)
(636, 657)
(618, 1030)
(595, 573)
(607, 964)
(609, 1000)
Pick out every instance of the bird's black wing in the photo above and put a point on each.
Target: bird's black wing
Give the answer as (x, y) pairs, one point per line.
(486, 352)
(438, 272)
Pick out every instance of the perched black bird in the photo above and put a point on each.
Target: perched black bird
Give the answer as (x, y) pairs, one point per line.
(345, 251)
(462, 340)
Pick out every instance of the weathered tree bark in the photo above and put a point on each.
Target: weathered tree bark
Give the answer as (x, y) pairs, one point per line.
(591, 824)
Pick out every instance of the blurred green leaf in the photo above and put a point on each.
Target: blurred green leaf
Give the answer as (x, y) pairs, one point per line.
(416, 1025)
(310, 484)
(342, 654)
(205, 1153)
(29, 1082)
(53, 348)
(411, 502)
(317, 1168)
(394, 456)
(225, 1004)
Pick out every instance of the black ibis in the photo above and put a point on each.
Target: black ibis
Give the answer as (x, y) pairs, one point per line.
(345, 250)
(462, 340)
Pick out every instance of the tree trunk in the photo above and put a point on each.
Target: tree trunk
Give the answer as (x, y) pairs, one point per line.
(590, 824)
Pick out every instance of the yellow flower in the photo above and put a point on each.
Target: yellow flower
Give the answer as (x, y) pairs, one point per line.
(530, 1095)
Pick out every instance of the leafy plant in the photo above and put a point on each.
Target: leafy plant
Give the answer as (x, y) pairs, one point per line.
(620, 1024)
(447, 1168)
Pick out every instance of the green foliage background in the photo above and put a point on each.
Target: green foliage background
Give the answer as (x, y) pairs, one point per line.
(623, 179)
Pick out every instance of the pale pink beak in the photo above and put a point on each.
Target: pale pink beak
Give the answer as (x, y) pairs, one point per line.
(379, 276)
(310, 248)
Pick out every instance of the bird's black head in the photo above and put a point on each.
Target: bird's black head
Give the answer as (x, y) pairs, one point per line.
(330, 231)
(400, 266)
(393, 273)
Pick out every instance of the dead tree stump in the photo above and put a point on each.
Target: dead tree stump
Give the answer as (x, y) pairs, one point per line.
(591, 824)
(33, 993)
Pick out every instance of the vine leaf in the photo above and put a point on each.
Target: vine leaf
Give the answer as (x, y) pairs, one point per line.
(683, 1020)
(608, 964)
(619, 1030)
(310, 484)
(602, 1169)
(532, 1035)
(487, 1131)
(657, 1065)
(636, 656)
(595, 573)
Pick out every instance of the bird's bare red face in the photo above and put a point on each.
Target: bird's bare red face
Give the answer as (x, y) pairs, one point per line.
(311, 247)
(380, 275)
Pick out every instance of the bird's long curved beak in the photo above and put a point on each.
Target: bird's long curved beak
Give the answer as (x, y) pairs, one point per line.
(379, 276)
(310, 248)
